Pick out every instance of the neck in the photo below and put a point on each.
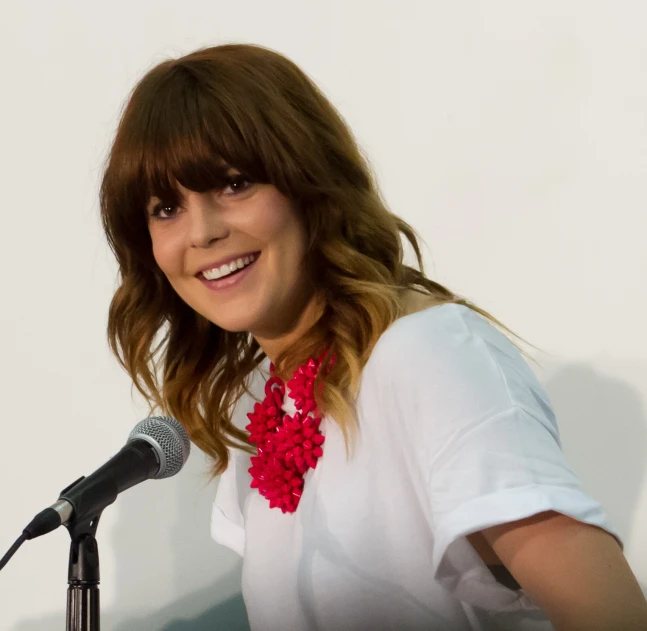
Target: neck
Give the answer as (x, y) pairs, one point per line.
(274, 344)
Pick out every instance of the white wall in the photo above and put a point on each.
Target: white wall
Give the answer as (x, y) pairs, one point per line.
(512, 135)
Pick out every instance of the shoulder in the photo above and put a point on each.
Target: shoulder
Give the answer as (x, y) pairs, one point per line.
(450, 357)
(436, 337)
(440, 323)
(428, 341)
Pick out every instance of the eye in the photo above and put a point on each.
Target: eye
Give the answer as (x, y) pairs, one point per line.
(238, 183)
(162, 211)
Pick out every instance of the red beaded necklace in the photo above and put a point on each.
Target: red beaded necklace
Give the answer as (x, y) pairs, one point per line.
(287, 446)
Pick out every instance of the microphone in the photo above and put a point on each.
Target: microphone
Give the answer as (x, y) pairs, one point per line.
(156, 448)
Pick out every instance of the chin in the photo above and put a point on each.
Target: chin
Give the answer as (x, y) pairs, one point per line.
(233, 324)
(233, 328)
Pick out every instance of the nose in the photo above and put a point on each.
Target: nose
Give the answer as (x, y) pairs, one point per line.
(206, 223)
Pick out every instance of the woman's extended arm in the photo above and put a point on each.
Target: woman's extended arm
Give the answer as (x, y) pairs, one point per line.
(575, 572)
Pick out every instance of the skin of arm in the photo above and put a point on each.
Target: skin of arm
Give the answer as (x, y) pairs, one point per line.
(576, 573)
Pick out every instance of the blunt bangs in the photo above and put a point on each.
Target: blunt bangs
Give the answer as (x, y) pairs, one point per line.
(186, 136)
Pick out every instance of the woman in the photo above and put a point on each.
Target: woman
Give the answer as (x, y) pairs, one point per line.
(401, 468)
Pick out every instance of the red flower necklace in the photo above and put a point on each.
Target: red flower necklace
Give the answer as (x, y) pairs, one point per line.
(287, 446)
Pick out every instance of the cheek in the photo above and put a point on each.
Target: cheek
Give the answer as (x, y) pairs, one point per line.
(166, 254)
(282, 228)
(273, 218)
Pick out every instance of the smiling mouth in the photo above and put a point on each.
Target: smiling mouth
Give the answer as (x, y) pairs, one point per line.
(225, 271)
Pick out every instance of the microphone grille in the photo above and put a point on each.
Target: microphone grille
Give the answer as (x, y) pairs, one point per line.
(170, 440)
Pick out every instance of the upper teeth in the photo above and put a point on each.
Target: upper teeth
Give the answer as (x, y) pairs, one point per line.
(223, 270)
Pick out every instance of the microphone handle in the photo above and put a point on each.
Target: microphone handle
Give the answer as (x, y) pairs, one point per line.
(87, 497)
(135, 462)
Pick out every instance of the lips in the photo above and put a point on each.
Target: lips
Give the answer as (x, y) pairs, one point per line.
(207, 270)
(230, 280)
(228, 269)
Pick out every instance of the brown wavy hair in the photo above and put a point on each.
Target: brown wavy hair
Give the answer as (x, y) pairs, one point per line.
(254, 109)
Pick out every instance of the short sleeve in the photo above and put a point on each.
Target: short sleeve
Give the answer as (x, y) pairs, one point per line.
(506, 468)
(485, 438)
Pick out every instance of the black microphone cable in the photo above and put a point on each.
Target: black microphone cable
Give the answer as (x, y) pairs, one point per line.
(5, 559)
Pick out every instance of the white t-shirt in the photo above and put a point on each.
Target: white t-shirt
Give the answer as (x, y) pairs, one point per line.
(456, 434)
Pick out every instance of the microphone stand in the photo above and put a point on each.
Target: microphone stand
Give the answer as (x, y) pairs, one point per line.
(83, 574)
(83, 578)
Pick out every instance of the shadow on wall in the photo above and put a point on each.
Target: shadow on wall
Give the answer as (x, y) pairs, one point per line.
(229, 615)
(603, 426)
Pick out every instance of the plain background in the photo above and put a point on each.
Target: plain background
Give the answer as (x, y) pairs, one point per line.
(512, 135)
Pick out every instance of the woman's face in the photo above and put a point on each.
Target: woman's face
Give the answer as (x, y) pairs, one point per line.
(245, 224)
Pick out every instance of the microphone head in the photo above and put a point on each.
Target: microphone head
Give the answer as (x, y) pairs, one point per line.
(168, 438)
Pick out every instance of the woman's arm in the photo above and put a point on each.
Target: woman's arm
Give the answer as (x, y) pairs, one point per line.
(575, 572)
